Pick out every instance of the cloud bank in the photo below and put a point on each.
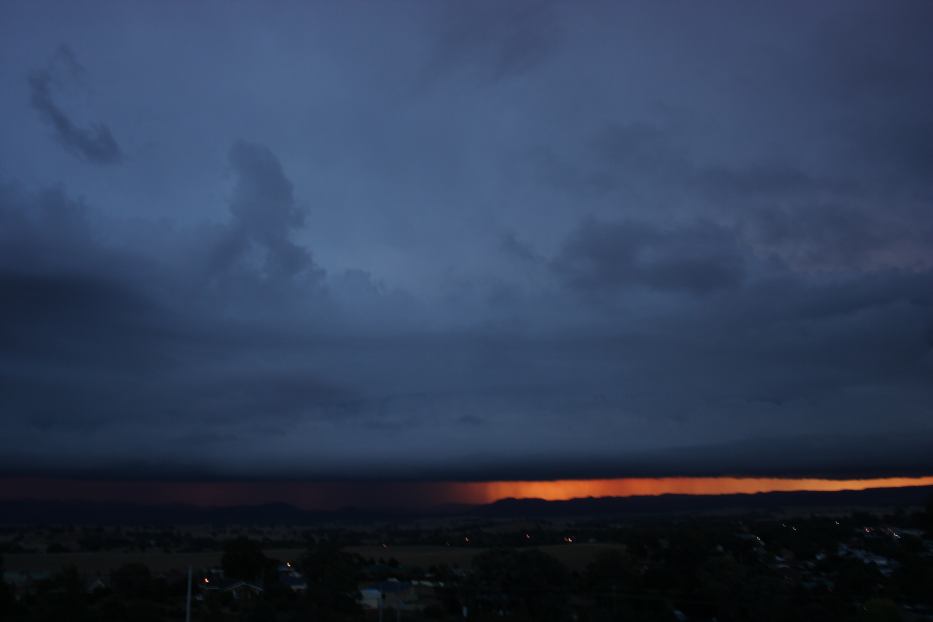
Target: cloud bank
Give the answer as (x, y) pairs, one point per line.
(534, 241)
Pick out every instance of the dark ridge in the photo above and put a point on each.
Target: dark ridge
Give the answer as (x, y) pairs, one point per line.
(32, 512)
(686, 504)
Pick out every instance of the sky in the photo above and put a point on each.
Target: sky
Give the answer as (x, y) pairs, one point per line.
(465, 241)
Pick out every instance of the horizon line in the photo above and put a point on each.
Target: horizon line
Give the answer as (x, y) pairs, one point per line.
(336, 495)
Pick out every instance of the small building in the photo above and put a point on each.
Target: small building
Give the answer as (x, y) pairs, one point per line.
(290, 577)
(390, 594)
(96, 584)
(239, 589)
(294, 583)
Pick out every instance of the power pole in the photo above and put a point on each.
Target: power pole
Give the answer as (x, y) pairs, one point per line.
(188, 599)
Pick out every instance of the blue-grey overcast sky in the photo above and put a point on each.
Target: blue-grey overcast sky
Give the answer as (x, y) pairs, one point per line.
(486, 239)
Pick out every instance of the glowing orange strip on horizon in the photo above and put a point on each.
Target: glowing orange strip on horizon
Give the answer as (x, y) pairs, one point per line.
(333, 495)
(487, 492)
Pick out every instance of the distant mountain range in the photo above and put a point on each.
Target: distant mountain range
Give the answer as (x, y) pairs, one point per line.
(691, 504)
(31, 512)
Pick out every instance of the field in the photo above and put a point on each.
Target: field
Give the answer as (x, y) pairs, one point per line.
(91, 563)
(575, 556)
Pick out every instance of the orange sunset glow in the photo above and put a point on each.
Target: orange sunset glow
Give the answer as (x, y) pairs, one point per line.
(487, 492)
(334, 495)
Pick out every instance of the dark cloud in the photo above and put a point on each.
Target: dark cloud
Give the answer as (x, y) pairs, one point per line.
(648, 244)
(636, 148)
(769, 180)
(494, 41)
(872, 68)
(95, 143)
(512, 246)
(603, 259)
(264, 208)
(250, 262)
(107, 342)
(616, 158)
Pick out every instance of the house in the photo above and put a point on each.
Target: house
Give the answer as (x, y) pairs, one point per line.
(96, 584)
(293, 582)
(390, 594)
(291, 578)
(370, 597)
(884, 565)
(239, 589)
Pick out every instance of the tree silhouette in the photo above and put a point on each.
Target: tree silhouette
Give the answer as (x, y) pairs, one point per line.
(243, 559)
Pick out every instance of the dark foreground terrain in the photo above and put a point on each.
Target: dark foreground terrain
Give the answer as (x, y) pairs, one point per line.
(797, 556)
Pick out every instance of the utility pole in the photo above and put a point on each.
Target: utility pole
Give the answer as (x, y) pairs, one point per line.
(188, 599)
